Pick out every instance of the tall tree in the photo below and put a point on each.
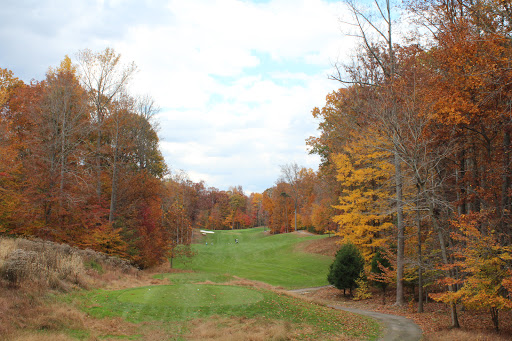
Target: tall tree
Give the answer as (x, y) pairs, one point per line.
(103, 76)
(291, 175)
(378, 69)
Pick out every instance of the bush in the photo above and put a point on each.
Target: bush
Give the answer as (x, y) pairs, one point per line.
(363, 291)
(52, 265)
(379, 263)
(346, 268)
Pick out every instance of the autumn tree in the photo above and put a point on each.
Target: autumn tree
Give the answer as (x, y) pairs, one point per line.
(104, 77)
(10, 167)
(365, 173)
(290, 173)
(485, 264)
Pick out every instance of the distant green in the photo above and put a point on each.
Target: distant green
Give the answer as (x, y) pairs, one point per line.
(272, 259)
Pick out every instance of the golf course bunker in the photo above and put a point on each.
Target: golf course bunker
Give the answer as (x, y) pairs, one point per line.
(190, 295)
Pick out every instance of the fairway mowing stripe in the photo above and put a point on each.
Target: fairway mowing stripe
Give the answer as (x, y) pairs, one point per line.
(181, 295)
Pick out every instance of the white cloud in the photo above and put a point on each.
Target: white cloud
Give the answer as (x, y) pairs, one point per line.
(237, 80)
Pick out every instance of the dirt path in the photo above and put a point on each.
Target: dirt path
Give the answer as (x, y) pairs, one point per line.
(396, 327)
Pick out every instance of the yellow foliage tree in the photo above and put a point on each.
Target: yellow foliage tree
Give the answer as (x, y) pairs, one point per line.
(365, 173)
(485, 267)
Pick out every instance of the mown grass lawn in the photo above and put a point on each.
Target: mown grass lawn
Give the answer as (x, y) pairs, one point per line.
(178, 305)
(273, 259)
(206, 298)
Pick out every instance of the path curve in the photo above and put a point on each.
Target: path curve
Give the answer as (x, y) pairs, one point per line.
(397, 328)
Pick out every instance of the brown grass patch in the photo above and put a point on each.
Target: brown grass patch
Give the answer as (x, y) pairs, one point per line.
(253, 284)
(464, 335)
(29, 269)
(55, 317)
(324, 246)
(25, 317)
(110, 326)
(47, 336)
(303, 233)
(242, 282)
(119, 282)
(241, 328)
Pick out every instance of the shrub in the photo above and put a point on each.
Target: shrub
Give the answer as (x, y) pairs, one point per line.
(362, 291)
(94, 265)
(52, 265)
(345, 269)
(378, 269)
(19, 265)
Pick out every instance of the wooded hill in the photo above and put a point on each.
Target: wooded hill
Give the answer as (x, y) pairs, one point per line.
(80, 164)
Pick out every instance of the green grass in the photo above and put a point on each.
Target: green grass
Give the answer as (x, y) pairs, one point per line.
(271, 259)
(190, 295)
(178, 304)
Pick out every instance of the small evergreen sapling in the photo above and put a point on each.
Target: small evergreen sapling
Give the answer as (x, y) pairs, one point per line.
(346, 268)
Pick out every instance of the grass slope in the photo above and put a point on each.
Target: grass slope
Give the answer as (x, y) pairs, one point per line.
(273, 259)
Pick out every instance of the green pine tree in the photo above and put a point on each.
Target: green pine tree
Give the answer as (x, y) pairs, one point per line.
(345, 269)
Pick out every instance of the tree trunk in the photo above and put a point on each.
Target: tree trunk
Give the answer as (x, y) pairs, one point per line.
(506, 184)
(495, 319)
(98, 166)
(113, 196)
(420, 265)
(400, 300)
(444, 254)
(295, 215)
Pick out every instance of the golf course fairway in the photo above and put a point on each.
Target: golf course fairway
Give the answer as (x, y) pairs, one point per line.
(273, 259)
(204, 300)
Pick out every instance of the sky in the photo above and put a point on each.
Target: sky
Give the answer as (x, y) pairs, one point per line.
(236, 80)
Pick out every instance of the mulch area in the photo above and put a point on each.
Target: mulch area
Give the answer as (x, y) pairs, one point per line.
(435, 321)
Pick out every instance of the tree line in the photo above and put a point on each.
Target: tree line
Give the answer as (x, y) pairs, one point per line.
(418, 144)
(415, 147)
(80, 164)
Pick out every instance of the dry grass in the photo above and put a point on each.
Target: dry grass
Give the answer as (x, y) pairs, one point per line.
(249, 329)
(38, 321)
(241, 328)
(41, 337)
(325, 246)
(30, 269)
(24, 316)
(464, 335)
(254, 284)
(42, 265)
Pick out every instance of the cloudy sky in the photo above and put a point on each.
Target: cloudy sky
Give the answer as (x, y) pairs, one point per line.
(236, 79)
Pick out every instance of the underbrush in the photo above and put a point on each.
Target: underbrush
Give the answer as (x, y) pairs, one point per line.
(32, 270)
(434, 321)
(44, 265)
